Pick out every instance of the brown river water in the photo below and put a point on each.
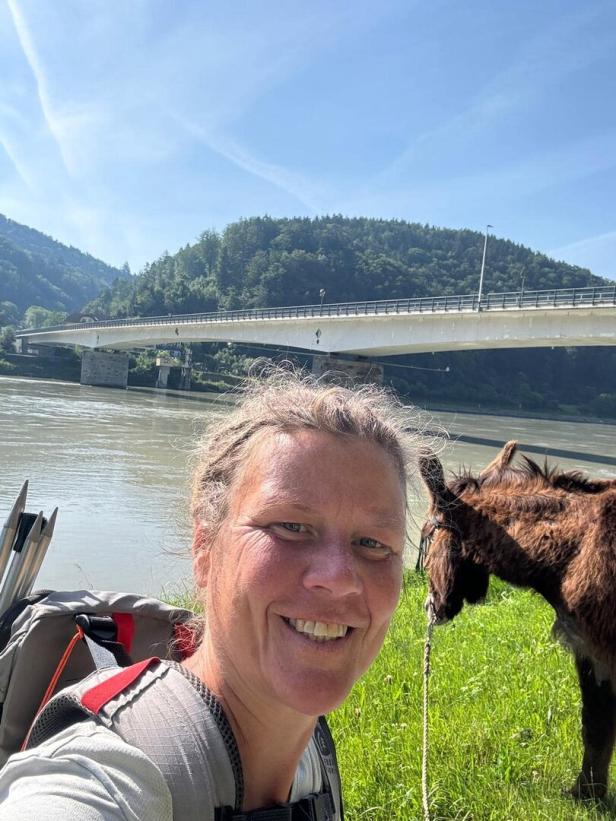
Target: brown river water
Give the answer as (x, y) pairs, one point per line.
(115, 463)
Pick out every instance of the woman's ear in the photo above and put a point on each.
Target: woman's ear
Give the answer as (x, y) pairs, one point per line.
(201, 557)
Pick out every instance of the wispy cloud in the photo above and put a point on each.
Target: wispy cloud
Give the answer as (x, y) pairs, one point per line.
(597, 252)
(21, 168)
(12, 121)
(586, 243)
(295, 184)
(503, 187)
(31, 55)
(543, 61)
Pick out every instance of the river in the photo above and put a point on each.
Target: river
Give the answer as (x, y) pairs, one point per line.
(115, 463)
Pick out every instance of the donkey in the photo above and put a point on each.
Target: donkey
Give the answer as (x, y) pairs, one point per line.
(548, 530)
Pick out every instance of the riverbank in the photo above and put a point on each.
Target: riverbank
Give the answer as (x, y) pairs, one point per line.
(31, 367)
(548, 416)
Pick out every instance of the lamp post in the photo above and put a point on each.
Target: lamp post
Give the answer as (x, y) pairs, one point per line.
(322, 293)
(483, 266)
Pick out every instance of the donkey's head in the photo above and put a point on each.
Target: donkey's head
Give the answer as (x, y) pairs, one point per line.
(453, 575)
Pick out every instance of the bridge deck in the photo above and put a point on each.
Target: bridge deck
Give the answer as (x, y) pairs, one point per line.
(581, 316)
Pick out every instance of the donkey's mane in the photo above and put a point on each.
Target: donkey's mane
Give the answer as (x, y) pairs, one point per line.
(527, 475)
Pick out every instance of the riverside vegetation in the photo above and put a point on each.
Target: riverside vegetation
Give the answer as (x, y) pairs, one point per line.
(503, 717)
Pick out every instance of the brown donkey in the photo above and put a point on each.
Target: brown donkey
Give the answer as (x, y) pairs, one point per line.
(554, 532)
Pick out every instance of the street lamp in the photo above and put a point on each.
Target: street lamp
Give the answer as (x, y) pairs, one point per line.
(522, 279)
(483, 266)
(322, 295)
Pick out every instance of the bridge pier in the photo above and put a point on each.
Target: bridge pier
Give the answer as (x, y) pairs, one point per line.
(333, 368)
(105, 369)
(172, 374)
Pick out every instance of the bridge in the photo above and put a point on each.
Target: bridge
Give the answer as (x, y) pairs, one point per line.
(515, 319)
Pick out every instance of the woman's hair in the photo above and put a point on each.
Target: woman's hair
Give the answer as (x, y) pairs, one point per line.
(283, 401)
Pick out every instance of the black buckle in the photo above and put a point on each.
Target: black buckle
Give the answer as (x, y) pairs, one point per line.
(102, 631)
(100, 628)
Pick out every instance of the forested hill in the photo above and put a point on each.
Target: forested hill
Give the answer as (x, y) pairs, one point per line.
(37, 270)
(264, 262)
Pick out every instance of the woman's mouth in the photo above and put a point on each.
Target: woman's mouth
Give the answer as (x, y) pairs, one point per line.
(319, 630)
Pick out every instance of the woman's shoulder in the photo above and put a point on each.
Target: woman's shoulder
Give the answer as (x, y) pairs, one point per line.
(87, 771)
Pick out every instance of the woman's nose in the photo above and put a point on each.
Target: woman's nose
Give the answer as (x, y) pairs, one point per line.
(334, 569)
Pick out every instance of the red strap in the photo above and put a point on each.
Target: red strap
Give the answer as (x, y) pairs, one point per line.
(126, 629)
(99, 695)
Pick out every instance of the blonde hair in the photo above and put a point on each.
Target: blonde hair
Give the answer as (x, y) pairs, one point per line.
(283, 401)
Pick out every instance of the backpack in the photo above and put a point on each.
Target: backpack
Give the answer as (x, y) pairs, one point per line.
(91, 647)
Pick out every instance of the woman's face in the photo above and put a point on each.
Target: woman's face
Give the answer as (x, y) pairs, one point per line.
(305, 572)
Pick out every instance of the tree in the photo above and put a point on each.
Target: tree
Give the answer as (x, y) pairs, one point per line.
(7, 340)
(9, 313)
(39, 317)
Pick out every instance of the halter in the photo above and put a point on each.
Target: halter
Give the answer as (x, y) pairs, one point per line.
(426, 541)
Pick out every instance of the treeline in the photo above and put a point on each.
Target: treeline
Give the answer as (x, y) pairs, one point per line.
(36, 270)
(264, 262)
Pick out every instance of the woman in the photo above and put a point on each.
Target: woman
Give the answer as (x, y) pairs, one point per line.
(299, 508)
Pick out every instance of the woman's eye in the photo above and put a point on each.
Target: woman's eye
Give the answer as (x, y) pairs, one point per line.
(373, 545)
(292, 527)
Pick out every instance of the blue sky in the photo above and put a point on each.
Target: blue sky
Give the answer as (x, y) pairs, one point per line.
(127, 127)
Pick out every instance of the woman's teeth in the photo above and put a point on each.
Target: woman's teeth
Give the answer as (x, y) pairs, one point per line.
(319, 630)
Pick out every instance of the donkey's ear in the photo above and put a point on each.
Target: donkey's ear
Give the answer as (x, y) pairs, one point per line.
(501, 460)
(432, 473)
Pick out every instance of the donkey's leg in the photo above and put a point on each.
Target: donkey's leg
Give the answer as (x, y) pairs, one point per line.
(598, 731)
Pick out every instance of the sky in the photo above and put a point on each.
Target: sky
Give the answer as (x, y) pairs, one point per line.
(128, 127)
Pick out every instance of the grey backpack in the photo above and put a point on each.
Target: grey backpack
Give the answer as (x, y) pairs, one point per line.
(40, 654)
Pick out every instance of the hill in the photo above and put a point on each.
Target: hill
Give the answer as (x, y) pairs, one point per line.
(263, 262)
(37, 270)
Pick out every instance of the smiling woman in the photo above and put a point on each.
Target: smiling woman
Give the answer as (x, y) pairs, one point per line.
(299, 508)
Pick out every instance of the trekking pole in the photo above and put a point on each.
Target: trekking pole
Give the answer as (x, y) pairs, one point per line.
(32, 570)
(9, 531)
(23, 555)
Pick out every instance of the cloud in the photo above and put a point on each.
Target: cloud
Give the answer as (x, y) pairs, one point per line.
(493, 189)
(11, 144)
(597, 252)
(543, 61)
(11, 152)
(290, 182)
(31, 55)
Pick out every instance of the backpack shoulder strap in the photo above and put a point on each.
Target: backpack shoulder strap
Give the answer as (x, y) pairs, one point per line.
(329, 764)
(167, 722)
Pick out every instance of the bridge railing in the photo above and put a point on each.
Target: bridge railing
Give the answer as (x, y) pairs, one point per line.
(604, 295)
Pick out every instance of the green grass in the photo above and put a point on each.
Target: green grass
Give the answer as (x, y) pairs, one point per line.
(504, 718)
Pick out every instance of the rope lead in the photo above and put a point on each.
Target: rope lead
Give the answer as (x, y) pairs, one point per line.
(425, 798)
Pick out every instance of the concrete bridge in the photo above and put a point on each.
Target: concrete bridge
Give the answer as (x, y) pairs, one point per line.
(549, 318)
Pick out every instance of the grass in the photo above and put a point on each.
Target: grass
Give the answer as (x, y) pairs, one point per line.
(504, 718)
